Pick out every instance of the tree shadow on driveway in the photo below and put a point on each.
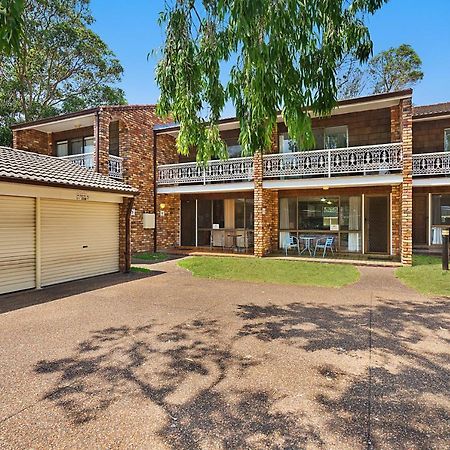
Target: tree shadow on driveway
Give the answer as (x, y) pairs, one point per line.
(401, 401)
(179, 371)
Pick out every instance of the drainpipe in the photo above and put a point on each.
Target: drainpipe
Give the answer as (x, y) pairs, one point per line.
(128, 235)
(154, 191)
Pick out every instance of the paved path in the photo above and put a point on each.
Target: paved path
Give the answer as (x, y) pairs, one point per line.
(176, 362)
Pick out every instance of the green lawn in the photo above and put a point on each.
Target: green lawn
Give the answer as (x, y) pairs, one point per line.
(271, 271)
(151, 257)
(426, 276)
(140, 270)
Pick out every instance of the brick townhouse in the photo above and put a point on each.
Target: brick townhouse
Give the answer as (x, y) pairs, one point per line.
(376, 184)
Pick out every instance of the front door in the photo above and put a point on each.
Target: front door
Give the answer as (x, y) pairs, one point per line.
(188, 223)
(377, 224)
(420, 219)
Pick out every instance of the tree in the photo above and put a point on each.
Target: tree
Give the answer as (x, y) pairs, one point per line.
(395, 69)
(61, 65)
(350, 77)
(275, 55)
(10, 25)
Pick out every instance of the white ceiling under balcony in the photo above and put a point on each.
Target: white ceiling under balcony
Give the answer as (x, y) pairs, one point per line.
(57, 126)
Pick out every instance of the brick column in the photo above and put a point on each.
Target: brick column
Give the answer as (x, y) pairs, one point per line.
(263, 210)
(407, 191)
(103, 142)
(124, 240)
(168, 220)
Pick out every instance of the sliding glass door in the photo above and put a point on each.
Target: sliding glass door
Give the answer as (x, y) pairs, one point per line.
(320, 217)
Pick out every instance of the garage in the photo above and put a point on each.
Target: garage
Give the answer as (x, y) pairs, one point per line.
(59, 222)
(78, 239)
(17, 243)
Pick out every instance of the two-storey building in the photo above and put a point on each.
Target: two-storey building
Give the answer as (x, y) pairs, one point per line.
(376, 184)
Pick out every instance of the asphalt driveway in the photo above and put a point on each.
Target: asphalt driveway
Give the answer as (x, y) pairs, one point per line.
(175, 362)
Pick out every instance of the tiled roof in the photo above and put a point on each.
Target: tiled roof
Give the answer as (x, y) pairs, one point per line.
(436, 109)
(23, 166)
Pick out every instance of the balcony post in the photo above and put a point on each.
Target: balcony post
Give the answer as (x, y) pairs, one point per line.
(407, 189)
(329, 163)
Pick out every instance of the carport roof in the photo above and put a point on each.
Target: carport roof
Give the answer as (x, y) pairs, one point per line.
(26, 167)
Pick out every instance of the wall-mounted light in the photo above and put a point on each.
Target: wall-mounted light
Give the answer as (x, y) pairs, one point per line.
(325, 188)
(162, 206)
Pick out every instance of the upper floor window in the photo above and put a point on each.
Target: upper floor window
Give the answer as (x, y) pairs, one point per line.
(234, 151)
(332, 137)
(75, 146)
(336, 137)
(447, 140)
(114, 138)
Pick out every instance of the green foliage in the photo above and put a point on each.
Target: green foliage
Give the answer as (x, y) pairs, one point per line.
(276, 55)
(61, 66)
(269, 270)
(426, 276)
(11, 23)
(152, 257)
(395, 69)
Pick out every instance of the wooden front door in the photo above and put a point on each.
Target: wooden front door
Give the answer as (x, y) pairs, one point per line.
(420, 219)
(188, 212)
(377, 224)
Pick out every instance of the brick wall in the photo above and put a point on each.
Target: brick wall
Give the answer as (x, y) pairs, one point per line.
(136, 148)
(364, 127)
(33, 140)
(123, 238)
(428, 136)
(168, 220)
(406, 221)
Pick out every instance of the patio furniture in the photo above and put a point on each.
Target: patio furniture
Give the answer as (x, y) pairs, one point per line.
(217, 239)
(291, 242)
(325, 244)
(308, 240)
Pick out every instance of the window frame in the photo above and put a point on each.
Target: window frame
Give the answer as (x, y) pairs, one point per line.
(446, 139)
(321, 131)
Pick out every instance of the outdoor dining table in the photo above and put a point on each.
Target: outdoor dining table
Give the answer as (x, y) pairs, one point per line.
(308, 244)
(234, 235)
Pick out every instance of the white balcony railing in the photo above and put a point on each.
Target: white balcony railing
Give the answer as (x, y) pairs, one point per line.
(431, 164)
(340, 161)
(115, 166)
(235, 169)
(86, 160)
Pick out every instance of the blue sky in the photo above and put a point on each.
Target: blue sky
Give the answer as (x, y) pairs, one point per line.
(131, 31)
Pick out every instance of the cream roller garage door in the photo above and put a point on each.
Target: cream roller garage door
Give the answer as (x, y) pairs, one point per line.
(17, 243)
(78, 239)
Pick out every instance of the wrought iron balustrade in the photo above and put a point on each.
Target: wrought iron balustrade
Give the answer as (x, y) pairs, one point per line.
(331, 162)
(234, 169)
(437, 163)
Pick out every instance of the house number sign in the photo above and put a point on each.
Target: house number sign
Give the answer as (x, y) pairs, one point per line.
(83, 197)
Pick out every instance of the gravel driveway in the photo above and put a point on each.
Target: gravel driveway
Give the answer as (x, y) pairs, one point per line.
(176, 362)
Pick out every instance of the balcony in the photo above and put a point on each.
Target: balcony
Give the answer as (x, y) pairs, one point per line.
(431, 164)
(366, 160)
(86, 160)
(236, 169)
